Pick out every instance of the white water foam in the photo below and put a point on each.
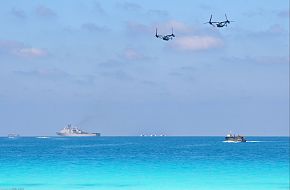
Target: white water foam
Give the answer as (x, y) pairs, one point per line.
(246, 141)
(231, 142)
(42, 137)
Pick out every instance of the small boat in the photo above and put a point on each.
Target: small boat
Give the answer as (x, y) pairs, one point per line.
(234, 138)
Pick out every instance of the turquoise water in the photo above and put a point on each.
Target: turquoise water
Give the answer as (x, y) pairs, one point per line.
(144, 163)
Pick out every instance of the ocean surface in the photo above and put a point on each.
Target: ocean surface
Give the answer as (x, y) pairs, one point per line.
(143, 163)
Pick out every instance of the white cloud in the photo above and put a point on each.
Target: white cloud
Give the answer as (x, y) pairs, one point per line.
(45, 73)
(19, 13)
(98, 8)
(196, 43)
(177, 26)
(132, 54)
(128, 6)
(156, 12)
(31, 52)
(19, 49)
(138, 28)
(9, 45)
(57, 74)
(272, 60)
(163, 28)
(284, 14)
(92, 27)
(43, 11)
(267, 59)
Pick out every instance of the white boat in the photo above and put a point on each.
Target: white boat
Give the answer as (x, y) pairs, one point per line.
(70, 131)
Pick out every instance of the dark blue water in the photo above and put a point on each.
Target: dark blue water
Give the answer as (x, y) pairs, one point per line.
(109, 163)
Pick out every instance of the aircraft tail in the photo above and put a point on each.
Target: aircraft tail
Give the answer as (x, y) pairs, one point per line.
(172, 32)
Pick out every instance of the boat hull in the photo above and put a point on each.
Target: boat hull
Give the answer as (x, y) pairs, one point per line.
(80, 135)
(235, 139)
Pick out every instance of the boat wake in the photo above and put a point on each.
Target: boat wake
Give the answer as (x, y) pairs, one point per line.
(42, 137)
(231, 142)
(246, 141)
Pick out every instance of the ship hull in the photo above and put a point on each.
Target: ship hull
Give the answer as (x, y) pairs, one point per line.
(80, 135)
(235, 139)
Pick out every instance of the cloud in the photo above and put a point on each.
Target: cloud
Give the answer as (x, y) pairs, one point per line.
(177, 26)
(45, 73)
(9, 45)
(205, 7)
(57, 74)
(134, 7)
(196, 43)
(262, 12)
(117, 74)
(92, 27)
(275, 30)
(284, 14)
(111, 64)
(131, 54)
(31, 52)
(19, 13)
(256, 12)
(185, 73)
(98, 8)
(148, 83)
(45, 12)
(128, 6)
(20, 49)
(159, 13)
(138, 28)
(269, 59)
(272, 60)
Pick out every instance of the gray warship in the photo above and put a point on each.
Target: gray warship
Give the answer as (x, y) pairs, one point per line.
(70, 131)
(234, 138)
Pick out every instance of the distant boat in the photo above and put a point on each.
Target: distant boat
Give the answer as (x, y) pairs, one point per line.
(70, 131)
(234, 138)
(13, 135)
(152, 135)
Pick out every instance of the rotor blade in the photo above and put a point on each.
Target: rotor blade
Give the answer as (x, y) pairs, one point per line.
(226, 16)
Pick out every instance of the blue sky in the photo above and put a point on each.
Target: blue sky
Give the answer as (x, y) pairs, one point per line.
(97, 64)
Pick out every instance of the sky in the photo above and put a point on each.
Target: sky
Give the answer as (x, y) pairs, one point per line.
(97, 65)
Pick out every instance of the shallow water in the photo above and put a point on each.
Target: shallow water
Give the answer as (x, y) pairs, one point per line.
(145, 163)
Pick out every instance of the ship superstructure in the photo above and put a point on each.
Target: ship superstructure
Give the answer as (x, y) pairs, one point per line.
(75, 132)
